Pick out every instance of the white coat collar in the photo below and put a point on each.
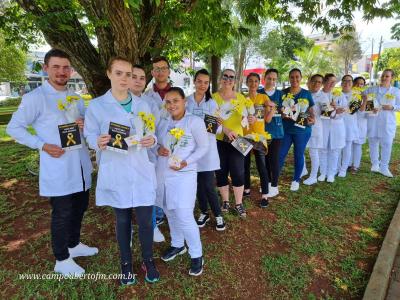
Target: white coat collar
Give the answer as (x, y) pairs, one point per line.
(108, 97)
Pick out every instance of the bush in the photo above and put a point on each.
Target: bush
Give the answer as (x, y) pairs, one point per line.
(11, 102)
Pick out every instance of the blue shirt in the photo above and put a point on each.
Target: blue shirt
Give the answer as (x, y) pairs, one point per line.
(288, 125)
(275, 127)
(127, 104)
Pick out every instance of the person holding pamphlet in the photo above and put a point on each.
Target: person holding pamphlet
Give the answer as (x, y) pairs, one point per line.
(382, 123)
(232, 110)
(202, 105)
(121, 130)
(183, 141)
(57, 115)
(298, 116)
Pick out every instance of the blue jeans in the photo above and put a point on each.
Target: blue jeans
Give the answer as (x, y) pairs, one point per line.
(299, 141)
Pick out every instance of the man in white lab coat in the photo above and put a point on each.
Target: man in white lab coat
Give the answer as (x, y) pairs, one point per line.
(65, 176)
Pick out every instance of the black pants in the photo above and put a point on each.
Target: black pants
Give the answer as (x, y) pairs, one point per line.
(206, 193)
(272, 161)
(66, 219)
(232, 163)
(123, 230)
(261, 168)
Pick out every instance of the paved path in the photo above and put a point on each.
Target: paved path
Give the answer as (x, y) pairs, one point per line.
(394, 285)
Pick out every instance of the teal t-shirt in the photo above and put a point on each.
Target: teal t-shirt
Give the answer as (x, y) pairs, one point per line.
(127, 104)
(288, 125)
(275, 127)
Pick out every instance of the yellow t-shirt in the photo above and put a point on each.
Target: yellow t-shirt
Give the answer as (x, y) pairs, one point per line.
(259, 125)
(234, 121)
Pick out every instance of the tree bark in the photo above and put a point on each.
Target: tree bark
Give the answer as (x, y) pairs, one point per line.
(215, 72)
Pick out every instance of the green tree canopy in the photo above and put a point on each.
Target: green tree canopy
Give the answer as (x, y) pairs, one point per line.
(347, 49)
(12, 62)
(390, 59)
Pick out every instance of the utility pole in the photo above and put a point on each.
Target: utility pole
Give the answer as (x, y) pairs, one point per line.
(372, 64)
(379, 57)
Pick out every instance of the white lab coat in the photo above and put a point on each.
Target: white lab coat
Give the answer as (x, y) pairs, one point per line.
(351, 122)
(362, 124)
(383, 125)
(57, 176)
(210, 161)
(177, 189)
(123, 180)
(316, 139)
(334, 130)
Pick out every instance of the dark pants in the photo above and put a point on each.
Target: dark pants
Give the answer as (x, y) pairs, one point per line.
(261, 168)
(66, 219)
(206, 193)
(232, 163)
(123, 230)
(272, 161)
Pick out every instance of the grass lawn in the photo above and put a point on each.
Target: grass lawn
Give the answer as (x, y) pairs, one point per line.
(318, 243)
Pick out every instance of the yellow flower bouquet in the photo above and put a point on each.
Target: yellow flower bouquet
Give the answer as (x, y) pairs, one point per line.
(70, 107)
(174, 138)
(259, 141)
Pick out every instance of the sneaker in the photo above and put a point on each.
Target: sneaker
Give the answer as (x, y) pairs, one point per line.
(264, 203)
(375, 168)
(158, 237)
(294, 186)
(304, 172)
(127, 276)
(310, 181)
(68, 267)
(273, 191)
(220, 223)
(330, 179)
(82, 250)
(196, 266)
(225, 206)
(152, 274)
(240, 210)
(246, 194)
(159, 221)
(342, 174)
(354, 170)
(202, 220)
(172, 252)
(322, 177)
(386, 172)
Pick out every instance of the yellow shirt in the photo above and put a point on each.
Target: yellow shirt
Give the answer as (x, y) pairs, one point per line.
(234, 121)
(259, 125)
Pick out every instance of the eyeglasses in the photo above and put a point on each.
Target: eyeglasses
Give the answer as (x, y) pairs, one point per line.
(227, 77)
(160, 69)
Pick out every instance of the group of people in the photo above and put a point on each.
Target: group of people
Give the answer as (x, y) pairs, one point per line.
(156, 155)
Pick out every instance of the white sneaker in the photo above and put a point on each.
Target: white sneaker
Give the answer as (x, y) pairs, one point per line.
(330, 179)
(304, 172)
(68, 267)
(342, 174)
(158, 237)
(375, 168)
(82, 250)
(310, 181)
(322, 177)
(386, 173)
(273, 191)
(294, 186)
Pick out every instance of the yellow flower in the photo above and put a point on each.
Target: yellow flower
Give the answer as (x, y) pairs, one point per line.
(302, 101)
(371, 96)
(71, 99)
(60, 105)
(356, 97)
(142, 114)
(177, 133)
(267, 135)
(256, 137)
(389, 96)
(288, 96)
(336, 92)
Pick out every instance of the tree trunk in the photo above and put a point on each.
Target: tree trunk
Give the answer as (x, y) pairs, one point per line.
(240, 67)
(215, 72)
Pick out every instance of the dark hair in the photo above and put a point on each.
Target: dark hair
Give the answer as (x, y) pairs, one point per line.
(55, 53)
(223, 71)
(272, 70)
(204, 72)
(327, 76)
(177, 90)
(252, 74)
(316, 75)
(347, 75)
(160, 58)
(295, 70)
(358, 78)
(114, 59)
(389, 70)
(137, 66)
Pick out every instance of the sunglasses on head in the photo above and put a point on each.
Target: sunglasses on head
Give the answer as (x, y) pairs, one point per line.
(227, 77)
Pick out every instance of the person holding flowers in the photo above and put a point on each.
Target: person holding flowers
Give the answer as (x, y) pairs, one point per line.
(382, 125)
(232, 109)
(298, 116)
(125, 181)
(201, 104)
(183, 141)
(263, 110)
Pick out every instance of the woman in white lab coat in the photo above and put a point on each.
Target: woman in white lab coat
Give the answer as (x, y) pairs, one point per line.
(199, 104)
(125, 181)
(334, 132)
(382, 125)
(177, 176)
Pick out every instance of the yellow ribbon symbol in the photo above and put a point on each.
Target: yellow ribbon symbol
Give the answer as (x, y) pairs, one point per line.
(209, 127)
(70, 138)
(352, 108)
(243, 146)
(301, 122)
(117, 141)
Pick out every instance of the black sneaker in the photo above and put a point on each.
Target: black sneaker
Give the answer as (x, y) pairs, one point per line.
(225, 206)
(152, 274)
(240, 210)
(264, 203)
(246, 194)
(127, 277)
(202, 220)
(196, 266)
(220, 223)
(172, 252)
(159, 221)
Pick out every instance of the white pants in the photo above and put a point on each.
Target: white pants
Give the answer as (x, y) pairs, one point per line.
(346, 156)
(183, 227)
(356, 153)
(329, 161)
(314, 157)
(386, 152)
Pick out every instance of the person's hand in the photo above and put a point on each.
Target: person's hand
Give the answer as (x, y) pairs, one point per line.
(183, 165)
(103, 140)
(230, 134)
(310, 120)
(333, 104)
(53, 150)
(387, 107)
(162, 151)
(375, 110)
(340, 110)
(220, 121)
(80, 123)
(252, 119)
(147, 141)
